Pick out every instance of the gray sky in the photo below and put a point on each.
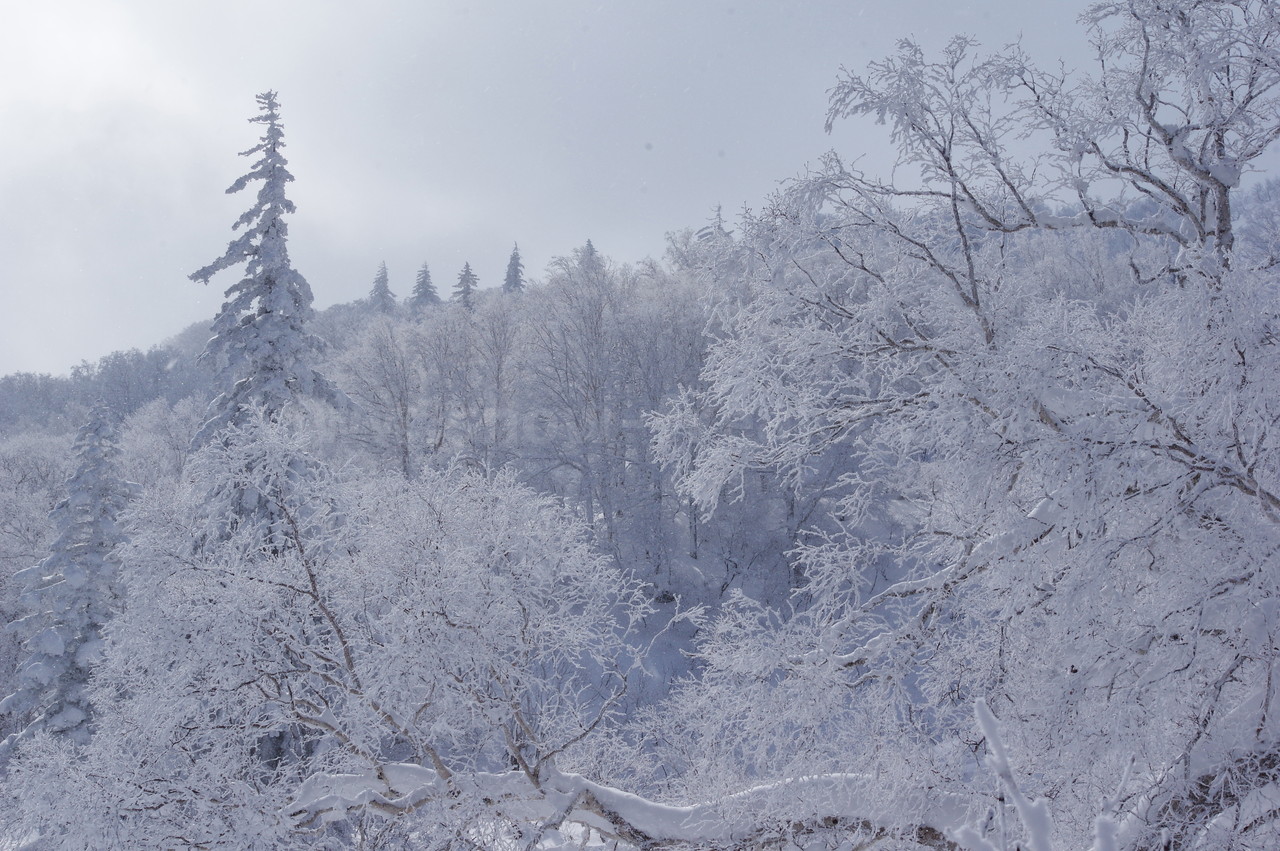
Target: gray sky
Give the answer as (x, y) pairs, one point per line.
(438, 130)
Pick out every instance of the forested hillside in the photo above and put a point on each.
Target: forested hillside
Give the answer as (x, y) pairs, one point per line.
(939, 510)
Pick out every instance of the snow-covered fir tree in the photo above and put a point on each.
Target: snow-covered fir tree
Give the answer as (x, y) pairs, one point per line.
(73, 592)
(261, 345)
(464, 292)
(381, 298)
(261, 349)
(424, 291)
(514, 281)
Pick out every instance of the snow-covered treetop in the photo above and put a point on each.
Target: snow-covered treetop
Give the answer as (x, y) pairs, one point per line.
(1155, 142)
(424, 291)
(264, 219)
(381, 298)
(260, 347)
(464, 291)
(514, 281)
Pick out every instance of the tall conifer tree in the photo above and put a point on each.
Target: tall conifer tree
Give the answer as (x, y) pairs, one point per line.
(381, 298)
(260, 346)
(424, 291)
(514, 282)
(464, 291)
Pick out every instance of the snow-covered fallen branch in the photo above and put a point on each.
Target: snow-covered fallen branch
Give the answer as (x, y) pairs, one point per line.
(796, 805)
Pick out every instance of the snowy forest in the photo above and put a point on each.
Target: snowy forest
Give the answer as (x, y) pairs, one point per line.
(932, 510)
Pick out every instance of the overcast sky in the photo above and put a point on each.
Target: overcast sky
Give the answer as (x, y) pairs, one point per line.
(418, 130)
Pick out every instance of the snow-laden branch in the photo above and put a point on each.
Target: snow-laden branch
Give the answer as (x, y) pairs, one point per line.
(796, 804)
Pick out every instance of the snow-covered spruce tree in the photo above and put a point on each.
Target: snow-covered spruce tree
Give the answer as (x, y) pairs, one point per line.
(73, 592)
(514, 281)
(424, 291)
(464, 292)
(381, 298)
(260, 347)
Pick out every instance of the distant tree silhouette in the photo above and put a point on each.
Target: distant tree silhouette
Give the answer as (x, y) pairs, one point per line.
(514, 282)
(464, 291)
(381, 298)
